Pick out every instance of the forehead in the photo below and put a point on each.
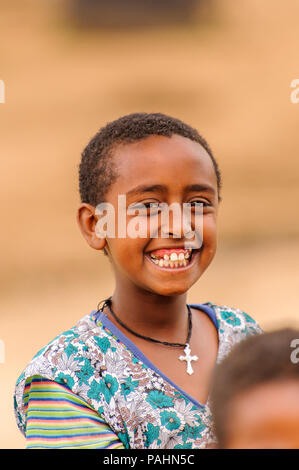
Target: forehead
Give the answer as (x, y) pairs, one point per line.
(270, 409)
(171, 161)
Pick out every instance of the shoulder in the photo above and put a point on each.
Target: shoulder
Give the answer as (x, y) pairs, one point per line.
(234, 325)
(234, 319)
(68, 342)
(60, 360)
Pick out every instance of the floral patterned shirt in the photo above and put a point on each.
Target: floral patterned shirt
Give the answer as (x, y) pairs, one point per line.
(140, 404)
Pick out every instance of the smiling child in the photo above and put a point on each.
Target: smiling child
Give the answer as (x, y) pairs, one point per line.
(136, 372)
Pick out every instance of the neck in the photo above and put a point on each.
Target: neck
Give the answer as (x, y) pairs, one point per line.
(160, 317)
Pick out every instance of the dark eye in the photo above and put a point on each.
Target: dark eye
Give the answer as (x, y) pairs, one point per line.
(146, 208)
(152, 205)
(198, 203)
(154, 208)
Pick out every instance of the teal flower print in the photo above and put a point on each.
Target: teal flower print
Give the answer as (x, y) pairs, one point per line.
(158, 400)
(95, 390)
(70, 349)
(184, 446)
(248, 318)
(111, 384)
(85, 372)
(151, 434)
(230, 317)
(128, 386)
(106, 387)
(170, 420)
(103, 343)
(68, 333)
(84, 346)
(191, 432)
(65, 379)
(124, 439)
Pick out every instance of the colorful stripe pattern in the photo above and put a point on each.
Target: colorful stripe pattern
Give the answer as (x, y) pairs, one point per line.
(57, 418)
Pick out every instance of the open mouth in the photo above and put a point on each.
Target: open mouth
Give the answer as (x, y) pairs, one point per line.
(172, 258)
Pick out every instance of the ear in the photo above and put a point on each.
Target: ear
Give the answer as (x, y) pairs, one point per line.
(87, 220)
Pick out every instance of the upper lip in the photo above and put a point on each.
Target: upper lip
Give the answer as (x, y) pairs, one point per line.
(170, 248)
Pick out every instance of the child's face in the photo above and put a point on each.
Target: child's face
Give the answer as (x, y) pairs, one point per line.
(174, 164)
(266, 417)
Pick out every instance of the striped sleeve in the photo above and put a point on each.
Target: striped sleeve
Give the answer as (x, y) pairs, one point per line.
(56, 418)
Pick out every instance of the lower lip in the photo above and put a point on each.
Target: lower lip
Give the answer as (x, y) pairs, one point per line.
(195, 254)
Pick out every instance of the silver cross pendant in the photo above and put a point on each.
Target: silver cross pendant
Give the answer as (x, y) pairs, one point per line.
(188, 358)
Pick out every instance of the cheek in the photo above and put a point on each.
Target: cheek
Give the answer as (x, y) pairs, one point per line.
(210, 231)
(127, 253)
(209, 240)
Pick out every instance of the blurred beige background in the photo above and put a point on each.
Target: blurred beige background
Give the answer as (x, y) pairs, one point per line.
(228, 74)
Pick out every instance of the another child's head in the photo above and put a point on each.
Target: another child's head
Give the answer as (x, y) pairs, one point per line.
(255, 393)
(150, 159)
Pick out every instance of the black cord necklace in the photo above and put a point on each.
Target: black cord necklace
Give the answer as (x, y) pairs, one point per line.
(188, 358)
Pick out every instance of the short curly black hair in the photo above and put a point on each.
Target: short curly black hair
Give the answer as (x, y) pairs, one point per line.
(257, 360)
(96, 171)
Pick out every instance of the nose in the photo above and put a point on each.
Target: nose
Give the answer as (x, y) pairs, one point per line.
(180, 226)
(171, 221)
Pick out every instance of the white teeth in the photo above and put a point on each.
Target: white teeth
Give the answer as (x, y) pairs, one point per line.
(175, 256)
(169, 263)
(174, 260)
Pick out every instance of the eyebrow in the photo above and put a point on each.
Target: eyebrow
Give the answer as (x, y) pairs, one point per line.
(142, 188)
(199, 188)
(162, 188)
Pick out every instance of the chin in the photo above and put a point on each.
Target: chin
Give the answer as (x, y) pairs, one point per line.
(171, 290)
